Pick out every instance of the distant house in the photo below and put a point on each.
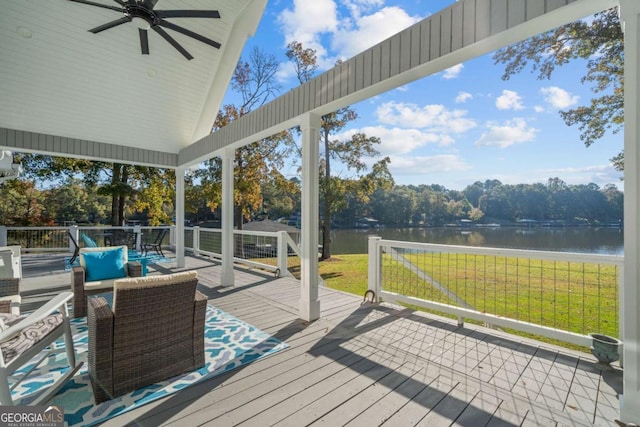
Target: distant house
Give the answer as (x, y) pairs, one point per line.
(367, 223)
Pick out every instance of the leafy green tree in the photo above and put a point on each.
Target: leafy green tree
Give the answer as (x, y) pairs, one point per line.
(115, 180)
(474, 192)
(254, 164)
(22, 204)
(598, 41)
(155, 196)
(350, 153)
(280, 199)
(72, 201)
(394, 207)
(615, 203)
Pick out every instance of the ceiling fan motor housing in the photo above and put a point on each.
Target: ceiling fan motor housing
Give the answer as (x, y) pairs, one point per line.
(139, 11)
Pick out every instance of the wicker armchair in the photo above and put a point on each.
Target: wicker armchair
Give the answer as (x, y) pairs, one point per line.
(82, 288)
(154, 330)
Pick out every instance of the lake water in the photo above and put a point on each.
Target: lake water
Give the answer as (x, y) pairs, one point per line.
(607, 241)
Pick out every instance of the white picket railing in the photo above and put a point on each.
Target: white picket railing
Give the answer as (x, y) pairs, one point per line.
(558, 295)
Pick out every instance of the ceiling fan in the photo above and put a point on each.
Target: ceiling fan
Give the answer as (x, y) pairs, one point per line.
(141, 12)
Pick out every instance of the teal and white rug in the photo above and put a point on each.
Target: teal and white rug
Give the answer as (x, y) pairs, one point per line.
(229, 344)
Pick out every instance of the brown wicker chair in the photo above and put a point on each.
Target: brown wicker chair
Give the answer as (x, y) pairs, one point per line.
(154, 331)
(82, 288)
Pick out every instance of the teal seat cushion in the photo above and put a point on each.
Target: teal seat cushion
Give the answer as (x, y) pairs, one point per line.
(104, 265)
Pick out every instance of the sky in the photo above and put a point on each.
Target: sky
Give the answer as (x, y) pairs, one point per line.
(454, 128)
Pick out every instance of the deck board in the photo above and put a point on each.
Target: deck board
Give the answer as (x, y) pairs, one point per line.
(368, 364)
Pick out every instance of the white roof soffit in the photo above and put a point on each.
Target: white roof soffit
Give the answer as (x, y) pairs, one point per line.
(463, 31)
(66, 91)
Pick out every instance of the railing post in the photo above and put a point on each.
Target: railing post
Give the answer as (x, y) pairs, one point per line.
(373, 279)
(138, 233)
(283, 253)
(196, 240)
(73, 230)
(3, 235)
(172, 236)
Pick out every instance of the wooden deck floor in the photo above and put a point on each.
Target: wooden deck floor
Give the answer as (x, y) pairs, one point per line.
(366, 365)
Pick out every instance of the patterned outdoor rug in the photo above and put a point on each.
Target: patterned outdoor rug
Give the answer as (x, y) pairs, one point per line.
(229, 344)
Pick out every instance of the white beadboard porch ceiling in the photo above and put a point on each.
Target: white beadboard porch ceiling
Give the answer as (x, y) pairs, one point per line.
(57, 78)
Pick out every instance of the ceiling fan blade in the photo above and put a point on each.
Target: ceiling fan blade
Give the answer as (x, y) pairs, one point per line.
(173, 42)
(144, 41)
(186, 32)
(104, 6)
(188, 13)
(111, 24)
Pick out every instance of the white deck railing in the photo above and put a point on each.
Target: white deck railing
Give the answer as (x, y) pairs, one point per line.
(262, 249)
(558, 295)
(266, 250)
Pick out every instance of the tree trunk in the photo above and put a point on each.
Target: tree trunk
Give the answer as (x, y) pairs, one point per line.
(122, 197)
(115, 179)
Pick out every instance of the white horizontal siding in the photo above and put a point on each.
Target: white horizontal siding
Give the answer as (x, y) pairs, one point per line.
(77, 148)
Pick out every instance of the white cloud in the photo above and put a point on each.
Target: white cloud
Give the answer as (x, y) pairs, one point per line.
(463, 97)
(597, 174)
(538, 109)
(512, 132)
(453, 72)
(358, 7)
(509, 100)
(398, 141)
(424, 165)
(559, 98)
(360, 33)
(307, 20)
(286, 70)
(435, 117)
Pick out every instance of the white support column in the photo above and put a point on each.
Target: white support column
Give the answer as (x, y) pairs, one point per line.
(180, 262)
(373, 272)
(630, 407)
(309, 303)
(227, 277)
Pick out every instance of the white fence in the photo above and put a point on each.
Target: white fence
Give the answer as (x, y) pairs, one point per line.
(558, 295)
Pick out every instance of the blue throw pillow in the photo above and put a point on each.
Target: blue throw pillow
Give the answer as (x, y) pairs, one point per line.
(104, 265)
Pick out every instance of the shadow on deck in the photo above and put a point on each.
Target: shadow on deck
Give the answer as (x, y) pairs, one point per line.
(367, 364)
